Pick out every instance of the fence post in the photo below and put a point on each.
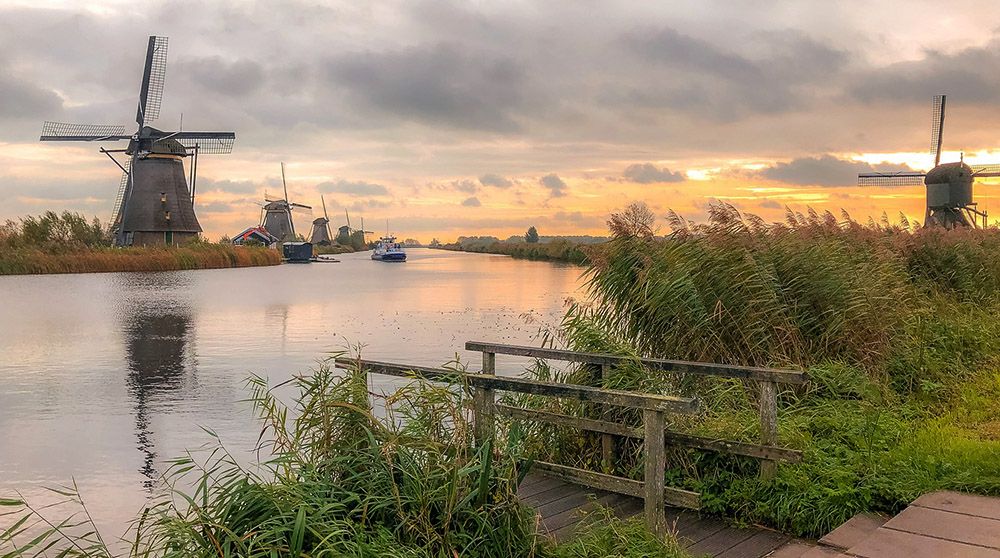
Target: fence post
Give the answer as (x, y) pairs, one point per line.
(607, 440)
(768, 425)
(484, 404)
(654, 483)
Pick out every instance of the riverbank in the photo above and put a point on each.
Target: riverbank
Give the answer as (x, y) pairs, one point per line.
(34, 261)
(558, 250)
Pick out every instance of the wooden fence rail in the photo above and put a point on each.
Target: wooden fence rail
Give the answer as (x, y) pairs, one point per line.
(652, 489)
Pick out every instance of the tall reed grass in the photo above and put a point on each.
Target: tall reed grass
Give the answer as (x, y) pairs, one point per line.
(897, 326)
(29, 260)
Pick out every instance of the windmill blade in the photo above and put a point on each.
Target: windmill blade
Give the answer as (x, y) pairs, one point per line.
(891, 179)
(153, 76)
(325, 216)
(62, 131)
(122, 186)
(348, 215)
(937, 126)
(283, 185)
(299, 205)
(985, 171)
(210, 146)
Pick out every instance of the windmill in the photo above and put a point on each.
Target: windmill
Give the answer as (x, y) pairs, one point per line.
(154, 205)
(321, 228)
(276, 215)
(949, 185)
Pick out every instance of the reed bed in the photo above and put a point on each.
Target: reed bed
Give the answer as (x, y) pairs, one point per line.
(558, 250)
(340, 472)
(81, 259)
(897, 327)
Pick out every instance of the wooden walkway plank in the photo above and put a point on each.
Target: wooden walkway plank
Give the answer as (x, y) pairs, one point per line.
(721, 541)
(760, 544)
(949, 526)
(852, 532)
(968, 504)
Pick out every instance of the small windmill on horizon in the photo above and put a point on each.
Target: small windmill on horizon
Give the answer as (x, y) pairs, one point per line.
(276, 214)
(949, 185)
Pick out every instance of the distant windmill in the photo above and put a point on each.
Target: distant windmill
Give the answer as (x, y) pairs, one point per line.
(277, 214)
(949, 185)
(154, 205)
(321, 228)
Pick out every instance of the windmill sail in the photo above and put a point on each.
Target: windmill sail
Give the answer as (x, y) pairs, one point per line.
(153, 204)
(937, 127)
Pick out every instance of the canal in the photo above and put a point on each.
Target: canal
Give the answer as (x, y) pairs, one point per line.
(105, 376)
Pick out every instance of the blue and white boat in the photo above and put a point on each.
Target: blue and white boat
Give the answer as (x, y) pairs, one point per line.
(388, 250)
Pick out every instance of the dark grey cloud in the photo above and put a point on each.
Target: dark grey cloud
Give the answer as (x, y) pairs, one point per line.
(356, 188)
(555, 185)
(695, 74)
(648, 173)
(21, 99)
(471, 202)
(441, 84)
(236, 78)
(770, 204)
(495, 180)
(824, 170)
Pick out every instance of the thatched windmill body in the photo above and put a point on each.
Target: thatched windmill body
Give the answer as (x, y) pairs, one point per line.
(276, 215)
(154, 205)
(949, 185)
(321, 228)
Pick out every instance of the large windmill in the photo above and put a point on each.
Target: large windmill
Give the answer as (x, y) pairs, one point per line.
(276, 215)
(949, 185)
(321, 228)
(154, 205)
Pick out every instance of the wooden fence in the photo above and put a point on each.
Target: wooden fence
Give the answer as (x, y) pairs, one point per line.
(652, 489)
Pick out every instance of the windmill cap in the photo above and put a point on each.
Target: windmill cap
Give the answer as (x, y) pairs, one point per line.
(948, 173)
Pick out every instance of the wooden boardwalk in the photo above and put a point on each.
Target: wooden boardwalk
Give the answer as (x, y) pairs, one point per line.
(559, 505)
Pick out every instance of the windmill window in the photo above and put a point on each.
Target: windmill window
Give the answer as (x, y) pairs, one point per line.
(167, 215)
(163, 197)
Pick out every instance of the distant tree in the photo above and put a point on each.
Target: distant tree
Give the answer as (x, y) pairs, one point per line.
(637, 220)
(225, 239)
(435, 242)
(532, 235)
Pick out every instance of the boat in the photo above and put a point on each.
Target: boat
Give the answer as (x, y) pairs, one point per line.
(388, 250)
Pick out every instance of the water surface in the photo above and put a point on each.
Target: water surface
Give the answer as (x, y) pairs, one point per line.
(104, 376)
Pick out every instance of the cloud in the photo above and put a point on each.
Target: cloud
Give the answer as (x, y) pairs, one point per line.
(236, 78)
(648, 173)
(824, 170)
(352, 188)
(556, 186)
(495, 180)
(232, 186)
(22, 99)
(472, 202)
(441, 84)
(770, 204)
(465, 185)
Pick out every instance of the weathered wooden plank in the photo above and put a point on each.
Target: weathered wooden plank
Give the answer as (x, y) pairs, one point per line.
(760, 544)
(701, 529)
(890, 543)
(969, 504)
(674, 438)
(533, 387)
(576, 499)
(947, 525)
(607, 440)
(548, 484)
(552, 495)
(768, 425)
(791, 549)
(558, 521)
(484, 405)
(673, 496)
(723, 540)
(655, 465)
(679, 366)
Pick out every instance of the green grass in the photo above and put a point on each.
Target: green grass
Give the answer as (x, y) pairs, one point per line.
(558, 250)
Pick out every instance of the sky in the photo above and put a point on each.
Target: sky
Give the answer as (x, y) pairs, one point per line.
(484, 118)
